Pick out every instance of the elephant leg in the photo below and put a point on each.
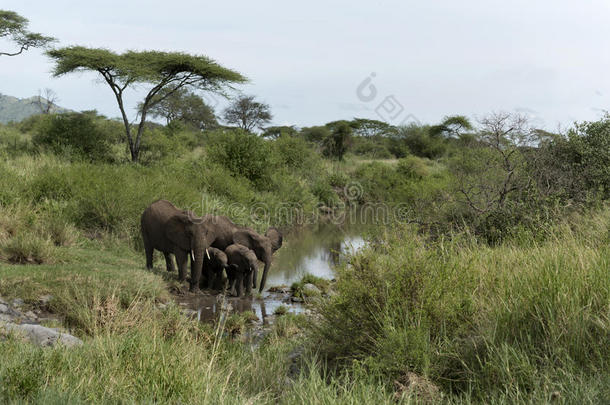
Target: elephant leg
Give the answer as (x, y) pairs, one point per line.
(149, 255)
(182, 260)
(254, 278)
(169, 263)
(248, 281)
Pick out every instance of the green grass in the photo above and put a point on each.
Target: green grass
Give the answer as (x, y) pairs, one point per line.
(512, 323)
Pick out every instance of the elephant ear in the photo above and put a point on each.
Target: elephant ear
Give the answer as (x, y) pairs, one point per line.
(244, 238)
(276, 238)
(178, 230)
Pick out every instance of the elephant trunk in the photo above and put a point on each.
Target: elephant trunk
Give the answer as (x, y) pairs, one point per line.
(267, 261)
(197, 252)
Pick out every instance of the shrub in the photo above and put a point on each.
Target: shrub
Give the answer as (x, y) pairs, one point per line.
(75, 135)
(296, 154)
(473, 319)
(27, 248)
(244, 154)
(413, 167)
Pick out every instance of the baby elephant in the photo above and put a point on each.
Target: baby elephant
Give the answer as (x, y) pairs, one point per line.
(214, 262)
(243, 266)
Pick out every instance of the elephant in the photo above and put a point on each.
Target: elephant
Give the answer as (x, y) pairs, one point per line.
(213, 266)
(223, 233)
(170, 230)
(243, 265)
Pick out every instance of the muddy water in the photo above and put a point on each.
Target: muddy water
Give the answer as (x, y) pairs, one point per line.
(312, 249)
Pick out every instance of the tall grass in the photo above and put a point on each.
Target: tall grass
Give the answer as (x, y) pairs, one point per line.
(521, 319)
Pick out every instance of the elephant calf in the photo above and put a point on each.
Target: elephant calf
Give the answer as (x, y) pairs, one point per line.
(213, 265)
(243, 264)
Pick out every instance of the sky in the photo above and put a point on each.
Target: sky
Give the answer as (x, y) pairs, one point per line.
(319, 61)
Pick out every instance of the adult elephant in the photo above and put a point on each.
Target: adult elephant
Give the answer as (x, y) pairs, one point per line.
(171, 230)
(225, 233)
(243, 265)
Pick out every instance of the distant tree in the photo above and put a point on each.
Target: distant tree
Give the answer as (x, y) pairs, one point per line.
(452, 126)
(184, 106)
(337, 143)
(315, 134)
(279, 131)
(14, 26)
(46, 101)
(494, 166)
(247, 113)
(161, 70)
(371, 128)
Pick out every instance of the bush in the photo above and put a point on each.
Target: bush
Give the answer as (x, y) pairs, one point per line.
(296, 154)
(413, 167)
(244, 154)
(473, 319)
(74, 135)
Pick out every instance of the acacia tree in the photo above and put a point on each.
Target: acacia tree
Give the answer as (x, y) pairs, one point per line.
(186, 107)
(247, 113)
(452, 126)
(15, 26)
(160, 70)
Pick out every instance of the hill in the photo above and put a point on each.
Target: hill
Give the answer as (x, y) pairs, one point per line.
(16, 109)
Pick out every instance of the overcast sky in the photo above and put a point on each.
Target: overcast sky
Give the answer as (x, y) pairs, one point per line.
(317, 61)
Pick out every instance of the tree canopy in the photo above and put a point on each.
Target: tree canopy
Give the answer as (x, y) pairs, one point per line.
(161, 70)
(185, 107)
(247, 113)
(14, 26)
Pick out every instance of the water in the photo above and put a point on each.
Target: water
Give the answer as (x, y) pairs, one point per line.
(313, 249)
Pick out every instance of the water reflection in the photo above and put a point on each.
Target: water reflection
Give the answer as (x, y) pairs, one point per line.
(314, 250)
(208, 307)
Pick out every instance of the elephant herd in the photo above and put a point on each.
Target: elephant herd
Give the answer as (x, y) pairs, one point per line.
(213, 243)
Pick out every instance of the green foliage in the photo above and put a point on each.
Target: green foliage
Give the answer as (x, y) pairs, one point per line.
(371, 148)
(73, 135)
(174, 70)
(452, 126)
(296, 154)
(337, 143)
(315, 134)
(180, 105)
(247, 113)
(413, 167)
(15, 26)
(473, 319)
(243, 154)
(590, 142)
(418, 141)
(277, 132)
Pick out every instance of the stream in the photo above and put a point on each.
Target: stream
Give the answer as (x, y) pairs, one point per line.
(314, 249)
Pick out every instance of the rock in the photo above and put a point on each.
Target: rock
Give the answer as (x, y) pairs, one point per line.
(3, 308)
(17, 302)
(161, 306)
(44, 300)
(297, 299)
(31, 315)
(411, 384)
(282, 289)
(5, 318)
(190, 313)
(43, 337)
(310, 289)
